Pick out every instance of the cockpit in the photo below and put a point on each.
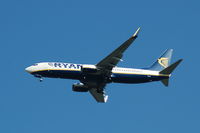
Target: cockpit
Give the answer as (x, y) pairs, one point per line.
(35, 64)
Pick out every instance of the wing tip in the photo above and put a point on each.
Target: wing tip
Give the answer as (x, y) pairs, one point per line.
(104, 100)
(137, 32)
(99, 97)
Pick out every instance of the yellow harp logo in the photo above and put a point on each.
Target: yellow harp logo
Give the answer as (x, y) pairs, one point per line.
(163, 62)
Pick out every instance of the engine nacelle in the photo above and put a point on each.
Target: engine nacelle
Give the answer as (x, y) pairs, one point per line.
(89, 69)
(79, 87)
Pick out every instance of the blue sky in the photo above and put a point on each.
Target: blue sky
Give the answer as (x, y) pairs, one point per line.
(85, 32)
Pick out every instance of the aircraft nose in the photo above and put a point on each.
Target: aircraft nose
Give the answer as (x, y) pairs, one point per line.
(28, 69)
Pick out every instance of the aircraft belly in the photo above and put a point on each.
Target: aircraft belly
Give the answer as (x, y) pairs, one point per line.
(134, 78)
(59, 74)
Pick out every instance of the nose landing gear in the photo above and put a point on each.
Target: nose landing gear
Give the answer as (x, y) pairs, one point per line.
(40, 77)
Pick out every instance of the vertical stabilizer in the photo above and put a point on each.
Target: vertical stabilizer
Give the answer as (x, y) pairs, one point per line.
(162, 62)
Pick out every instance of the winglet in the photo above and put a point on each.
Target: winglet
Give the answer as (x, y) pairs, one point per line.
(136, 33)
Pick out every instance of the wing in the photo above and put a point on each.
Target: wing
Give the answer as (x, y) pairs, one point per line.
(112, 59)
(98, 93)
(105, 66)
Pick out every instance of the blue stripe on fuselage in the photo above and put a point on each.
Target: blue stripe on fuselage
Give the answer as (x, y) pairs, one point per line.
(115, 77)
(135, 78)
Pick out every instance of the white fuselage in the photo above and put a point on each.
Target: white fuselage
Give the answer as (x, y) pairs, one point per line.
(74, 71)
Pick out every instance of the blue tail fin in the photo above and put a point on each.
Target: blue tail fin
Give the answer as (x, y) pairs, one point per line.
(162, 62)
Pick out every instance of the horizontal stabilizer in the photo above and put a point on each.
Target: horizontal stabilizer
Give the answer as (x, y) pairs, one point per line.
(171, 68)
(165, 81)
(168, 71)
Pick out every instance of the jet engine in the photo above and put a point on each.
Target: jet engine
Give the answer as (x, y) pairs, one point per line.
(89, 69)
(79, 87)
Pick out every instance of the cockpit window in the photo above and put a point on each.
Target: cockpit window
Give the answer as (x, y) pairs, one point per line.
(35, 64)
(50, 64)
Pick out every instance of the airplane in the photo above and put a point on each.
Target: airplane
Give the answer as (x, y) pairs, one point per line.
(94, 78)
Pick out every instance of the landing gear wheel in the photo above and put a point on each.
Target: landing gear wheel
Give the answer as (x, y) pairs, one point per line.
(40, 79)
